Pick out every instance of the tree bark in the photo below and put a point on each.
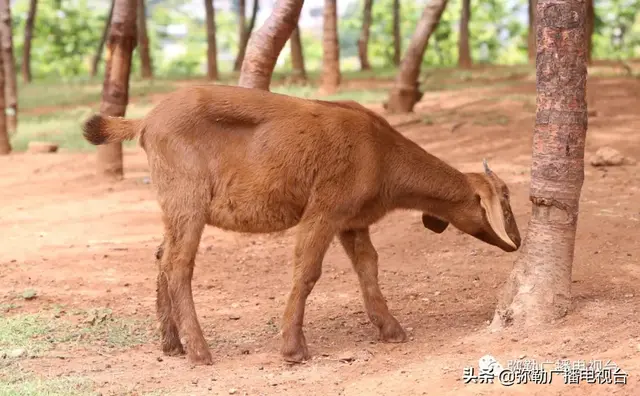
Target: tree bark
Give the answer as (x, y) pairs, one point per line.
(212, 52)
(143, 42)
(397, 38)
(5, 144)
(267, 42)
(242, 20)
(405, 92)
(591, 19)
(299, 74)
(11, 87)
(105, 33)
(115, 91)
(464, 50)
(28, 37)
(242, 48)
(330, 49)
(363, 41)
(531, 41)
(538, 290)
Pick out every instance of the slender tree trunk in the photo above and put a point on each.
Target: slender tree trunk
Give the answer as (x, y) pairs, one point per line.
(363, 42)
(212, 52)
(531, 46)
(5, 144)
(242, 20)
(267, 42)
(105, 33)
(539, 287)
(405, 92)
(397, 38)
(242, 47)
(115, 90)
(143, 42)
(330, 49)
(464, 50)
(28, 36)
(11, 86)
(299, 74)
(591, 17)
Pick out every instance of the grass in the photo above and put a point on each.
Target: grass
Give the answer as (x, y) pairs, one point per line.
(26, 385)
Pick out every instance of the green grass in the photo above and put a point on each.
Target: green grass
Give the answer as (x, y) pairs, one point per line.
(27, 385)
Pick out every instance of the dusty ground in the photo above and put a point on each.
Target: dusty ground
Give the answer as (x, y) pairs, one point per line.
(80, 244)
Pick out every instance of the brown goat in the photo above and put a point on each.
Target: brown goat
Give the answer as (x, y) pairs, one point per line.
(253, 161)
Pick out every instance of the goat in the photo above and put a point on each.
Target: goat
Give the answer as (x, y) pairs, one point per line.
(253, 161)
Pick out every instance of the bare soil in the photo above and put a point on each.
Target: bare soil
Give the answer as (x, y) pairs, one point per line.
(82, 243)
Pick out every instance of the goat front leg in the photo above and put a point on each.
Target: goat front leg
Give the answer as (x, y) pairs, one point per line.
(182, 238)
(171, 345)
(313, 239)
(364, 259)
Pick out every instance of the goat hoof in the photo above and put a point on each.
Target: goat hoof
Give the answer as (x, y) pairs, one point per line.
(295, 350)
(176, 350)
(392, 332)
(200, 358)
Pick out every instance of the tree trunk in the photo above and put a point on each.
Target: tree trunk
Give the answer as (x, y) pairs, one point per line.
(531, 42)
(330, 49)
(242, 20)
(464, 51)
(143, 42)
(11, 87)
(212, 52)
(299, 74)
(591, 19)
(397, 39)
(5, 144)
(105, 32)
(115, 90)
(267, 42)
(405, 92)
(539, 288)
(242, 47)
(28, 36)
(363, 42)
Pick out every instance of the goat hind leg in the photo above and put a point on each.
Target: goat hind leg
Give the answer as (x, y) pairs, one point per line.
(171, 345)
(364, 259)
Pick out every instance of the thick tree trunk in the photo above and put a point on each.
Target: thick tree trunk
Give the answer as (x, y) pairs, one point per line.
(531, 41)
(28, 37)
(539, 288)
(591, 19)
(242, 47)
(464, 50)
(405, 92)
(5, 144)
(363, 41)
(397, 39)
(105, 33)
(11, 86)
(115, 90)
(143, 42)
(212, 52)
(267, 42)
(299, 74)
(330, 49)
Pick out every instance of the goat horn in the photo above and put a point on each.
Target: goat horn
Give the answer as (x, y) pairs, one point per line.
(486, 166)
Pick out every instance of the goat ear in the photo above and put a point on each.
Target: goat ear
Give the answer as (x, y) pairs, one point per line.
(495, 216)
(434, 224)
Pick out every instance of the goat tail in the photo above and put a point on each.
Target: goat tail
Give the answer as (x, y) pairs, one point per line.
(100, 129)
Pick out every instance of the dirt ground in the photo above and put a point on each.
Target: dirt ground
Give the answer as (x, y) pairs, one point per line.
(80, 244)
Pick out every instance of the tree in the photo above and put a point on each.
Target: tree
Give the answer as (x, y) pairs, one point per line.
(531, 41)
(363, 41)
(267, 42)
(5, 144)
(143, 42)
(330, 49)
(212, 62)
(539, 287)
(115, 90)
(11, 87)
(299, 73)
(105, 32)
(242, 19)
(242, 47)
(405, 92)
(397, 43)
(591, 17)
(28, 36)
(464, 50)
